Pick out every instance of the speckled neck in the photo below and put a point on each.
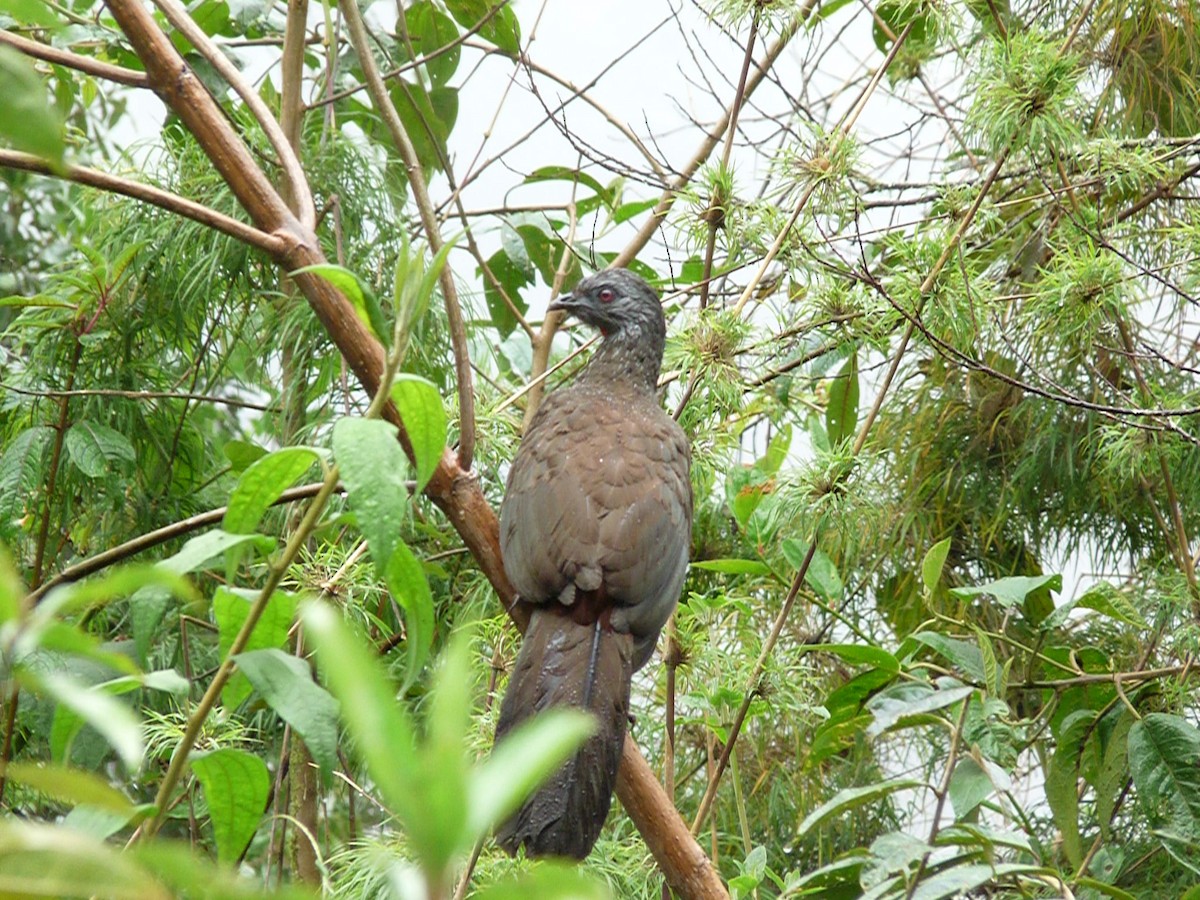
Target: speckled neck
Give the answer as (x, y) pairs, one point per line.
(631, 355)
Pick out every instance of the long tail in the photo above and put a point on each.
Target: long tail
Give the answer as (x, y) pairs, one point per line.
(563, 663)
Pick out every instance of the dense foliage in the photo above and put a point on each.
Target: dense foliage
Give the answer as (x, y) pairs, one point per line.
(931, 276)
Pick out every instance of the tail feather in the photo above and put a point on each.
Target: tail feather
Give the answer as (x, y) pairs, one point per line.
(563, 663)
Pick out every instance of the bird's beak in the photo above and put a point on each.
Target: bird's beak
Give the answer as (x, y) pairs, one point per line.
(568, 303)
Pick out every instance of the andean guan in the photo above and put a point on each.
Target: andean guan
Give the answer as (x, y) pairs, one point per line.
(595, 530)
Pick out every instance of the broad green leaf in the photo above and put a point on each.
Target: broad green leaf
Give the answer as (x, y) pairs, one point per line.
(11, 589)
(1113, 891)
(374, 469)
(841, 413)
(201, 550)
(21, 469)
(852, 798)
(497, 25)
(28, 122)
(231, 607)
(431, 31)
(634, 208)
(424, 418)
(934, 562)
(47, 861)
(242, 453)
(67, 785)
(1031, 591)
(236, 787)
(1111, 601)
(565, 173)
(98, 708)
(96, 449)
(360, 295)
(524, 759)
(1164, 760)
(406, 581)
(961, 653)
(987, 656)
(822, 576)
(858, 654)
(382, 731)
(969, 786)
(1062, 781)
(286, 683)
(512, 277)
(733, 566)
(894, 705)
(261, 484)
(959, 880)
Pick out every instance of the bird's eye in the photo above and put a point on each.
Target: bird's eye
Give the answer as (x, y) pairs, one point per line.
(607, 295)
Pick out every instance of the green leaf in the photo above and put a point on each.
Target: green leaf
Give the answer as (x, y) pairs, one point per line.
(1031, 591)
(236, 787)
(360, 295)
(21, 469)
(96, 449)
(27, 121)
(67, 785)
(522, 761)
(969, 786)
(428, 118)
(822, 575)
(501, 29)
(115, 722)
(1109, 600)
(424, 418)
(987, 656)
(841, 413)
(231, 607)
(382, 731)
(1164, 760)
(733, 566)
(575, 176)
(934, 562)
(858, 654)
(49, 861)
(374, 469)
(430, 31)
(197, 553)
(958, 880)
(512, 276)
(242, 453)
(627, 211)
(892, 706)
(262, 483)
(1062, 781)
(409, 587)
(286, 683)
(852, 798)
(961, 653)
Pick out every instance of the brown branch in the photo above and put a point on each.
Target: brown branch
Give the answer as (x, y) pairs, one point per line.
(181, 206)
(75, 61)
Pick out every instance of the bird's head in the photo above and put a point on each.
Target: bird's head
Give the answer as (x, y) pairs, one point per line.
(615, 301)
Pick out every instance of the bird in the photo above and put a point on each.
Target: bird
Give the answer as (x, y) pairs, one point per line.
(595, 533)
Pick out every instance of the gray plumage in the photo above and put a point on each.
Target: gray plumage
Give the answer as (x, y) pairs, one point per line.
(595, 530)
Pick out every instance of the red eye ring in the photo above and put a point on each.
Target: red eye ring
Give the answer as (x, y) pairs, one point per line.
(606, 295)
